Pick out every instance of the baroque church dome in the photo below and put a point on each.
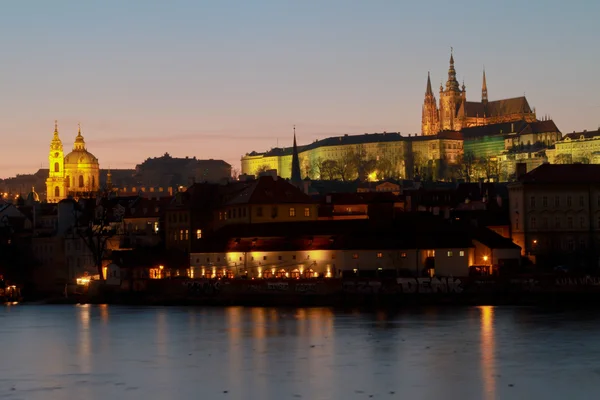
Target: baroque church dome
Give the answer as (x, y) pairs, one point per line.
(80, 155)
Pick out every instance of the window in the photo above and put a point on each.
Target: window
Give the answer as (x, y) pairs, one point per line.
(208, 260)
(403, 255)
(57, 192)
(234, 213)
(545, 201)
(264, 258)
(274, 212)
(80, 181)
(292, 212)
(279, 258)
(307, 212)
(533, 221)
(532, 202)
(259, 212)
(545, 222)
(198, 233)
(556, 201)
(333, 256)
(181, 234)
(449, 253)
(294, 257)
(218, 259)
(570, 245)
(557, 222)
(581, 222)
(582, 244)
(56, 167)
(187, 234)
(355, 256)
(461, 253)
(568, 201)
(220, 216)
(570, 222)
(379, 255)
(581, 201)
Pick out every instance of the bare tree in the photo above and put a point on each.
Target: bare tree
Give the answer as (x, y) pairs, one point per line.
(346, 165)
(468, 161)
(329, 170)
(563, 159)
(262, 168)
(95, 229)
(235, 174)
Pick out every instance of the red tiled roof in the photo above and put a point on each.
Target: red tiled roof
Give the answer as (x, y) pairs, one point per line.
(266, 190)
(563, 174)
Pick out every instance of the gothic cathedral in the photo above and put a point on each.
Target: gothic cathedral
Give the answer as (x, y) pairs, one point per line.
(76, 174)
(455, 112)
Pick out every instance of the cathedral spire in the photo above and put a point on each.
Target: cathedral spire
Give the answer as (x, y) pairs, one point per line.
(484, 94)
(296, 174)
(452, 83)
(56, 126)
(428, 91)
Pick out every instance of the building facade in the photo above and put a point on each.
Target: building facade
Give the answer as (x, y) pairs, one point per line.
(76, 174)
(455, 112)
(555, 212)
(582, 147)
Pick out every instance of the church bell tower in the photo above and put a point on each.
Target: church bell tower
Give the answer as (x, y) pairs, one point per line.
(430, 123)
(56, 189)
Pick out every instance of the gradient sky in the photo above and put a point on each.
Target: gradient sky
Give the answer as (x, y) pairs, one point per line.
(217, 79)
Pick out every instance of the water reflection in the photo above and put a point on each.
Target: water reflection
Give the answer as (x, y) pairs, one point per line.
(84, 340)
(488, 349)
(491, 353)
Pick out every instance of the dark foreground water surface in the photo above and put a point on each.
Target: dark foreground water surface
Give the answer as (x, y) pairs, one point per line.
(111, 352)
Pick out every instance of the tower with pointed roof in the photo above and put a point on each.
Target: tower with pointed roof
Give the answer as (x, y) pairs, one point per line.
(451, 99)
(430, 123)
(56, 185)
(484, 94)
(296, 173)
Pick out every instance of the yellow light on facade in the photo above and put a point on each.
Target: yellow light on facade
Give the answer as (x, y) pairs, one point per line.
(214, 272)
(259, 269)
(485, 258)
(83, 281)
(328, 274)
(161, 267)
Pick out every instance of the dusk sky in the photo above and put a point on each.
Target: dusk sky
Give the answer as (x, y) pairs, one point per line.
(217, 79)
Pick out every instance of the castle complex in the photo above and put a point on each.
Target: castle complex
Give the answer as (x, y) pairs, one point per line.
(502, 131)
(76, 174)
(455, 112)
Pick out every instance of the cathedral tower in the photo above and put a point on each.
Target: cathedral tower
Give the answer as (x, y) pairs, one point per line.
(484, 95)
(56, 185)
(430, 123)
(451, 99)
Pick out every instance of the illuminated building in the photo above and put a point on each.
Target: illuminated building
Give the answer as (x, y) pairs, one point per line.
(76, 174)
(455, 112)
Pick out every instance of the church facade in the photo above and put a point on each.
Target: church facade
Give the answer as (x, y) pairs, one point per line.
(455, 113)
(76, 174)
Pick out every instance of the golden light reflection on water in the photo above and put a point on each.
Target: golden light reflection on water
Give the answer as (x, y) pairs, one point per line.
(488, 350)
(104, 313)
(85, 341)
(234, 329)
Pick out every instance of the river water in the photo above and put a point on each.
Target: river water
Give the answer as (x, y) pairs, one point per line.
(112, 352)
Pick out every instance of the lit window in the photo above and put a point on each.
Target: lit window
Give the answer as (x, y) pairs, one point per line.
(220, 216)
(450, 253)
(187, 234)
(461, 253)
(198, 233)
(181, 234)
(403, 255)
(355, 256)
(379, 255)
(307, 212)
(292, 212)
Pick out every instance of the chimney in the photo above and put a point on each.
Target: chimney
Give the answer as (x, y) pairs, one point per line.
(521, 169)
